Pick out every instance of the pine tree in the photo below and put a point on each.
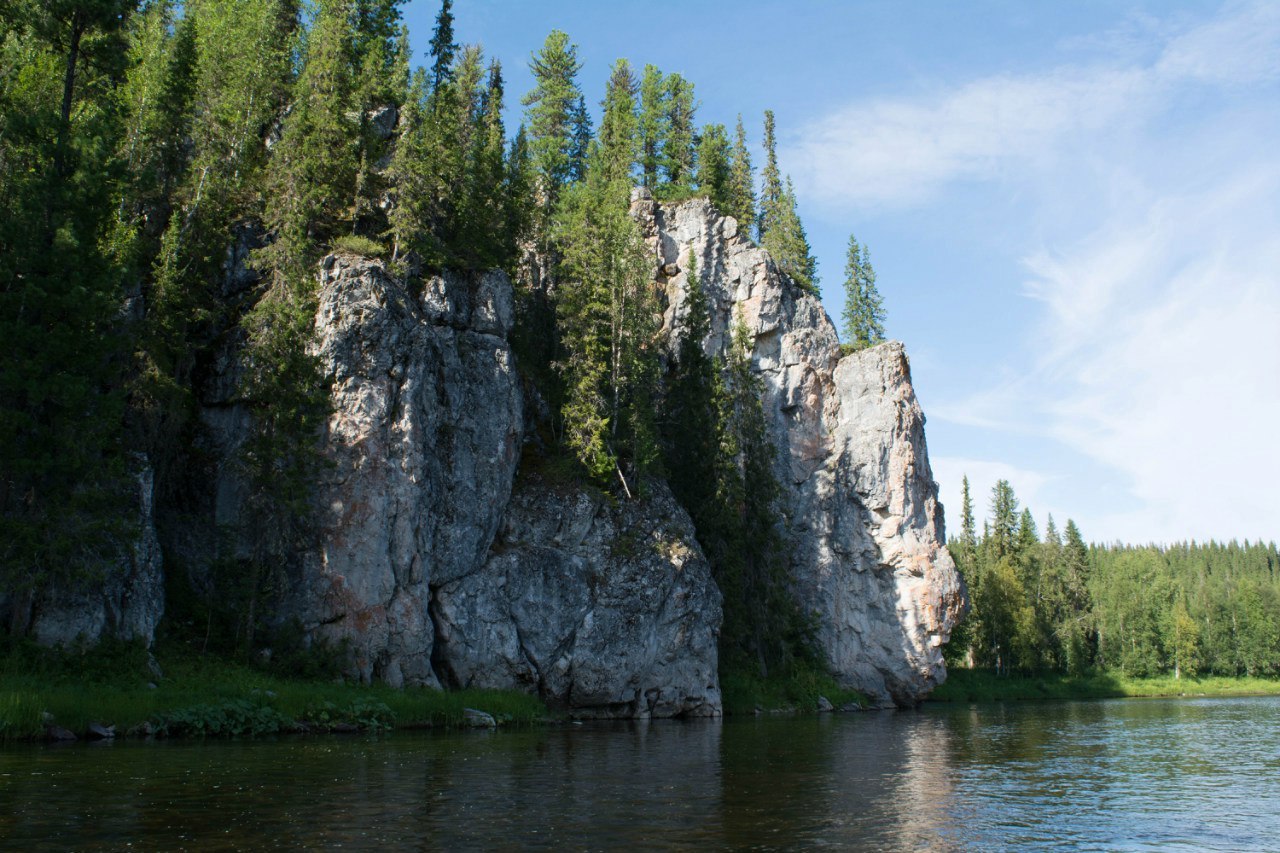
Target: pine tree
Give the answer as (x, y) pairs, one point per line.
(443, 47)
(314, 167)
(787, 242)
(581, 141)
(551, 108)
(679, 147)
(863, 308)
(653, 124)
(741, 203)
(606, 307)
(771, 193)
(713, 175)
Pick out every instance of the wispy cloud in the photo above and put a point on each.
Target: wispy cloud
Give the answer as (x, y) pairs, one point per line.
(1156, 352)
(900, 151)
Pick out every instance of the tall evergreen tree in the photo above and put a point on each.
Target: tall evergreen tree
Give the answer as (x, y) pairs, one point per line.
(606, 306)
(581, 141)
(741, 203)
(714, 166)
(60, 291)
(653, 124)
(679, 147)
(863, 308)
(771, 193)
(443, 47)
(787, 242)
(550, 114)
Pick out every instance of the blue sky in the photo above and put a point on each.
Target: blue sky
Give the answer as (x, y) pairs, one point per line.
(1073, 210)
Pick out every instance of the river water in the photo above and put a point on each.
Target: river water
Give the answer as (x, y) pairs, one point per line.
(1194, 774)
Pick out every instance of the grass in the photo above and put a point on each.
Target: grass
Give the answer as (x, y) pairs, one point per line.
(745, 692)
(980, 685)
(212, 696)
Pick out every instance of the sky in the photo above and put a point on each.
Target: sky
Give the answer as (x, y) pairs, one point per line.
(1073, 210)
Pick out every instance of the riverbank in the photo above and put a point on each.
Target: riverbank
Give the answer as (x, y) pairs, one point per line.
(978, 685)
(56, 697)
(120, 688)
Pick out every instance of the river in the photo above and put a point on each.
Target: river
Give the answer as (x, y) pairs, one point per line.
(1154, 774)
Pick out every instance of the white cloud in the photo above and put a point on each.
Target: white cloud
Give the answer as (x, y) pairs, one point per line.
(901, 151)
(1157, 351)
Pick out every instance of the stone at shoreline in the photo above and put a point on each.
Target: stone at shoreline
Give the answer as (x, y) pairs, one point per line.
(477, 719)
(97, 731)
(59, 734)
(824, 705)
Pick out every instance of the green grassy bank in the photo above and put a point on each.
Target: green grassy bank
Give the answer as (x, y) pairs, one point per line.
(206, 696)
(980, 685)
(744, 692)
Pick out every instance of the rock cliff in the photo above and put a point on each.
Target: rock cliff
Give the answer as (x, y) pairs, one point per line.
(605, 607)
(861, 507)
(127, 600)
(436, 567)
(424, 439)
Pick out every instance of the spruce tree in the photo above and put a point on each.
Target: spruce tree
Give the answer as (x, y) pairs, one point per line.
(606, 306)
(741, 204)
(581, 141)
(550, 113)
(771, 197)
(62, 490)
(863, 308)
(690, 427)
(787, 242)
(679, 147)
(714, 166)
(653, 127)
(443, 47)
(314, 167)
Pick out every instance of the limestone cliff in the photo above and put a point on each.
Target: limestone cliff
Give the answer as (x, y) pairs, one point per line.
(605, 607)
(434, 570)
(861, 506)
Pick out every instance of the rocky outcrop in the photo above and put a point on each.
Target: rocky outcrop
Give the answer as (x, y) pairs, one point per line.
(860, 503)
(604, 607)
(423, 441)
(127, 600)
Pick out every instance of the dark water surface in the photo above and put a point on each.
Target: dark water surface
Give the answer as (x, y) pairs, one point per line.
(1111, 775)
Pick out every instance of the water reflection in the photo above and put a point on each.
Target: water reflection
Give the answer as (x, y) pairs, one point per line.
(1089, 775)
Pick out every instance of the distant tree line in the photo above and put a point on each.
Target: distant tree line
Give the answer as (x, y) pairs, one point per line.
(1054, 603)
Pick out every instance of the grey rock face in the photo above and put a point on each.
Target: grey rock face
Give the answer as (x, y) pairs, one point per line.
(424, 440)
(605, 608)
(127, 602)
(865, 524)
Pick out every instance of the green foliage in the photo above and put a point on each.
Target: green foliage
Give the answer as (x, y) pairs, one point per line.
(61, 407)
(211, 696)
(984, 685)
(741, 201)
(1058, 605)
(552, 106)
(357, 245)
(863, 308)
(233, 718)
(653, 124)
(745, 692)
(715, 166)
